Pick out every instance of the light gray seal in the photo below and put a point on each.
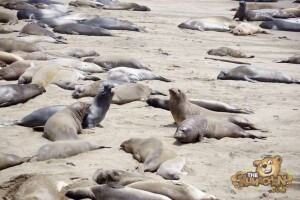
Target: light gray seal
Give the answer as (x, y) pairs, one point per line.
(64, 149)
(225, 51)
(54, 22)
(126, 6)
(10, 160)
(171, 169)
(194, 128)
(281, 24)
(33, 29)
(97, 111)
(10, 45)
(12, 94)
(39, 14)
(86, 3)
(253, 74)
(14, 70)
(81, 29)
(8, 17)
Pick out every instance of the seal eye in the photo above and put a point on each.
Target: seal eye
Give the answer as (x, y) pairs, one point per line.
(179, 91)
(270, 162)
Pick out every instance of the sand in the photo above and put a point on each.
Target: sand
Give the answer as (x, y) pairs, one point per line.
(178, 55)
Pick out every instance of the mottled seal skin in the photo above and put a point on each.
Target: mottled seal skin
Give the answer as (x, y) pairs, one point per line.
(247, 29)
(5, 29)
(171, 169)
(126, 74)
(81, 29)
(113, 24)
(12, 94)
(253, 74)
(175, 190)
(150, 151)
(243, 13)
(66, 123)
(33, 29)
(15, 70)
(116, 61)
(225, 51)
(126, 6)
(293, 60)
(194, 128)
(105, 192)
(64, 149)
(280, 24)
(9, 58)
(208, 104)
(117, 176)
(8, 17)
(181, 109)
(39, 117)
(10, 45)
(100, 105)
(10, 160)
(39, 14)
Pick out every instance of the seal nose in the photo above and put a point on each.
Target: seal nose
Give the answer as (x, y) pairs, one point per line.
(264, 166)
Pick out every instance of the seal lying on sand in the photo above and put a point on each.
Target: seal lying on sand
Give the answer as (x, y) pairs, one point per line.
(151, 151)
(171, 169)
(280, 24)
(126, 6)
(33, 29)
(14, 70)
(194, 128)
(4, 29)
(253, 74)
(294, 60)
(39, 14)
(6, 16)
(225, 51)
(81, 29)
(10, 45)
(10, 160)
(9, 58)
(247, 29)
(64, 149)
(86, 3)
(66, 123)
(77, 64)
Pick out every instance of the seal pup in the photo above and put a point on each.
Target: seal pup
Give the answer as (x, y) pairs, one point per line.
(171, 169)
(103, 192)
(14, 70)
(9, 58)
(281, 24)
(126, 74)
(294, 60)
(9, 45)
(6, 29)
(126, 6)
(66, 123)
(225, 51)
(116, 61)
(175, 190)
(12, 94)
(208, 104)
(243, 13)
(7, 17)
(33, 29)
(100, 105)
(253, 74)
(181, 109)
(194, 128)
(81, 29)
(150, 151)
(64, 149)
(39, 117)
(247, 29)
(10, 160)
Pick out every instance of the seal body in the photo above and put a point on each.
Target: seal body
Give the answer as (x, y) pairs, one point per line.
(33, 29)
(194, 128)
(126, 6)
(12, 94)
(15, 70)
(81, 29)
(8, 17)
(97, 111)
(280, 24)
(293, 60)
(247, 29)
(151, 151)
(225, 51)
(171, 169)
(10, 160)
(252, 74)
(66, 123)
(77, 64)
(9, 58)
(10, 45)
(39, 14)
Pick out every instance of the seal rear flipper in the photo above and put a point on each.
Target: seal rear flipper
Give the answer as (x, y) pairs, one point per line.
(252, 136)
(102, 147)
(38, 128)
(163, 79)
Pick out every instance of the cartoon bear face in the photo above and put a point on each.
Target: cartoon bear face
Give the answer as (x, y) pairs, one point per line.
(268, 166)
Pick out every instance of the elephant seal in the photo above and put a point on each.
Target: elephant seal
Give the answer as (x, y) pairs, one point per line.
(44, 75)
(150, 151)
(116, 61)
(10, 160)
(86, 3)
(64, 149)
(243, 13)
(217, 23)
(171, 169)
(12, 94)
(39, 117)
(112, 24)
(208, 104)
(38, 55)
(225, 51)
(8, 17)
(175, 190)
(181, 109)
(54, 22)
(79, 65)
(117, 176)
(253, 74)
(2, 64)
(126, 6)
(9, 58)
(66, 123)
(74, 52)
(81, 29)
(247, 29)
(194, 128)
(126, 74)
(258, 6)
(39, 14)
(105, 192)
(19, 6)
(33, 29)
(295, 12)
(15, 70)
(10, 45)
(100, 105)
(281, 24)
(294, 60)
(5, 30)
(37, 39)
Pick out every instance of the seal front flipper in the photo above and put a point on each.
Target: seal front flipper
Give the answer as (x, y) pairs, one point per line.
(249, 79)
(74, 33)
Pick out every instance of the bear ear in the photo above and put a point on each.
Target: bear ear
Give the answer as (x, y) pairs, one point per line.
(278, 159)
(256, 163)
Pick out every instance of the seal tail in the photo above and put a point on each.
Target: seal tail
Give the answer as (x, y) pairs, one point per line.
(103, 147)
(252, 136)
(163, 79)
(155, 92)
